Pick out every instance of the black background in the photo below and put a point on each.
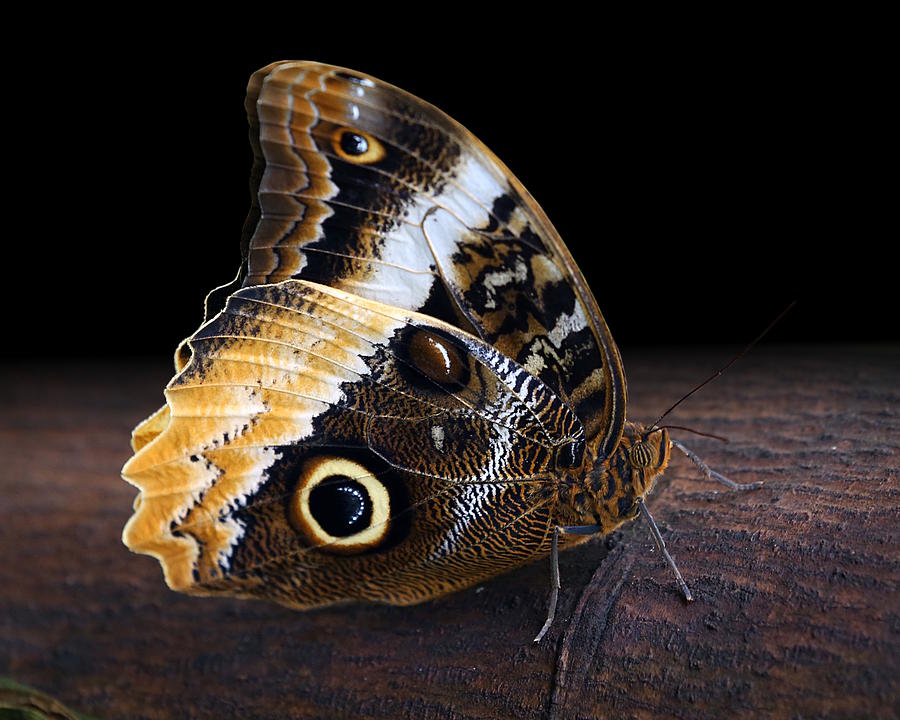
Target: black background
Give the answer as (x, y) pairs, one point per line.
(702, 180)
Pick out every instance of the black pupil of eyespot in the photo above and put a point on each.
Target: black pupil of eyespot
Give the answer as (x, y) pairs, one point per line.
(341, 506)
(353, 144)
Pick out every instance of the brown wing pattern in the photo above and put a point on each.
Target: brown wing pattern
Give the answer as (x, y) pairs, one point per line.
(293, 373)
(361, 186)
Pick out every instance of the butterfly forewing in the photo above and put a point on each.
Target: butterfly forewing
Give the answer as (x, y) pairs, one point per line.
(434, 224)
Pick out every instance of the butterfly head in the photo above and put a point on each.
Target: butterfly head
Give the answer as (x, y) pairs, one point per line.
(614, 486)
(647, 451)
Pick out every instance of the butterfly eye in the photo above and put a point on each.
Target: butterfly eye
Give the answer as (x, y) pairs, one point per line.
(340, 506)
(640, 455)
(357, 146)
(437, 359)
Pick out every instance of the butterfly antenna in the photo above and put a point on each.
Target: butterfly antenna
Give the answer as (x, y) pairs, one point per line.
(691, 430)
(728, 364)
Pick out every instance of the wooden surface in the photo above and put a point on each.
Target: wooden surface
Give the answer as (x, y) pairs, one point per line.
(797, 613)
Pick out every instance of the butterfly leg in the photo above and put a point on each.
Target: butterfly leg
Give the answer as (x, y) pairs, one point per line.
(554, 584)
(660, 543)
(712, 474)
(554, 568)
(592, 530)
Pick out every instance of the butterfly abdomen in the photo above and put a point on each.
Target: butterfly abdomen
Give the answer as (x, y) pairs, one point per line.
(607, 494)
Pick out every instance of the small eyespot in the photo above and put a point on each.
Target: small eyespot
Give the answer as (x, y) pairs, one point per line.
(357, 146)
(340, 506)
(640, 455)
(437, 359)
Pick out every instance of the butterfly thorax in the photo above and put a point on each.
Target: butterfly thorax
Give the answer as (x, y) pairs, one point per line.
(607, 495)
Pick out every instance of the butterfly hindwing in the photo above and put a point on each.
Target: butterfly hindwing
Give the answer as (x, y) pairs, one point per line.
(462, 440)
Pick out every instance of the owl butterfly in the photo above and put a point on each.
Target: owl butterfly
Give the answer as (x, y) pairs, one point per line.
(408, 389)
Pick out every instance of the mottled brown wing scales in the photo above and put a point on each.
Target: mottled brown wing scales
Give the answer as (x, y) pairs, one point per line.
(287, 370)
(475, 545)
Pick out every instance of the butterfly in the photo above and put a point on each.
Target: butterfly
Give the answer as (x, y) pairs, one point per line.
(408, 389)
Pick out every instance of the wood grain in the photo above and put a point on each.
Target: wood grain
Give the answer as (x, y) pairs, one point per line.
(796, 611)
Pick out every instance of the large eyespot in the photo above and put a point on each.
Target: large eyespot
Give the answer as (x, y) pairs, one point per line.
(437, 358)
(640, 455)
(357, 146)
(340, 506)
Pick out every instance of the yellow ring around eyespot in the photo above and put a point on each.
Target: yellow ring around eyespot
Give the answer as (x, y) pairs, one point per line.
(375, 151)
(317, 469)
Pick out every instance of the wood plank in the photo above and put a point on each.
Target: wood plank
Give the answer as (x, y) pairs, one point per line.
(796, 611)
